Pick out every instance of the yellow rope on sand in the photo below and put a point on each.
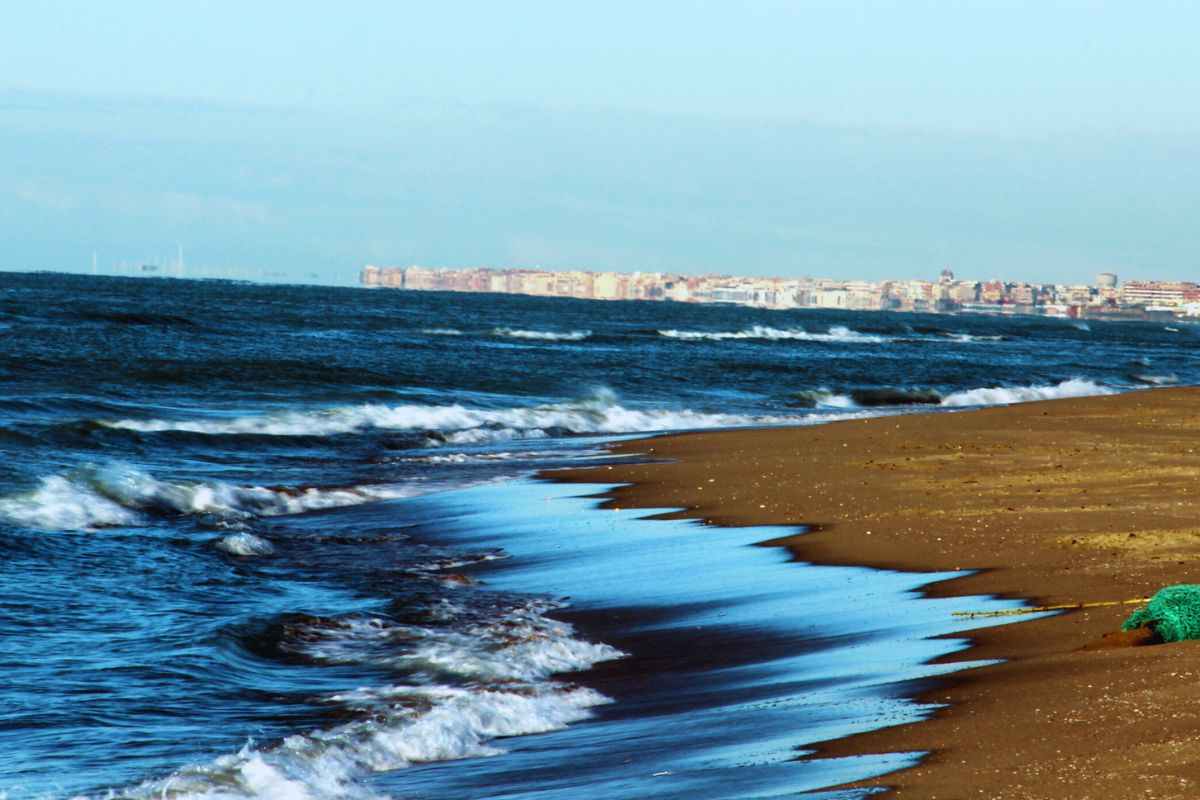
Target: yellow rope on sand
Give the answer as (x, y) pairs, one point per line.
(1012, 612)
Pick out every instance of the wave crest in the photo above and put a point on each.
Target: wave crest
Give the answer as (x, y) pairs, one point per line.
(1006, 395)
(118, 495)
(1155, 380)
(547, 336)
(500, 684)
(599, 412)
(838, 333)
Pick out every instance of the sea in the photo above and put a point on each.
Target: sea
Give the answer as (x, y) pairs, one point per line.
(305, 542)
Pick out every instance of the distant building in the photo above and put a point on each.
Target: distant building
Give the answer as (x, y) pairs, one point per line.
(1133, 300)
(1159, 293)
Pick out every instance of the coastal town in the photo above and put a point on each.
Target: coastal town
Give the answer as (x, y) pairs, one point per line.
(1106, 298)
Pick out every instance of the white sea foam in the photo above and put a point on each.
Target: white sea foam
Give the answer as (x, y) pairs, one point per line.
(59, 503)
(524, 645)
(823, 398)
(442, 331)
(1005, 395)
(423, 724)
(481, 458)
(968, 338)
(837, 333)
(598, 413)
(1157, 380)
(510, 692)
(120, 495)
(548, 336)
(834, 400)
(245, 544)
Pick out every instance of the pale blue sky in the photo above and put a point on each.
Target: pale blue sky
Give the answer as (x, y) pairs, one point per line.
(857, 139)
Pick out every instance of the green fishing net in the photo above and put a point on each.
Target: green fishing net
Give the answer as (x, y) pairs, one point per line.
(1173, 613)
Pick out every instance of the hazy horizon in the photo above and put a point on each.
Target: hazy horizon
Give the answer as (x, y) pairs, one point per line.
(1038, 143)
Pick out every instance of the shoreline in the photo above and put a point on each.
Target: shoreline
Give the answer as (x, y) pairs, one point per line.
(1074, 500)
(727, 650)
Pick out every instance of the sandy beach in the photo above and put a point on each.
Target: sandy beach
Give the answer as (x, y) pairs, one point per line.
(1066, 501)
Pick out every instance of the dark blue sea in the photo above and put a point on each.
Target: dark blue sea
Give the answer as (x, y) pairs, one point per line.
(288, 542)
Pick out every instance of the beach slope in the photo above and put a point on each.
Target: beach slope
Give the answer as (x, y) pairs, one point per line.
(1066, 501)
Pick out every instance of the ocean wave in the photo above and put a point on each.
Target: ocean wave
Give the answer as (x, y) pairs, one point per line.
(117, 495)
(838, 333)
(245, 544)
(522, 645)
(482, 458)
(819, 398)
(967, 338)
(548, 336)
(423, 724)
(135, 318)
(1006, 395)
(442, 331)
(599, 413)
(887, 396)
(508, 689)
(1155, 380)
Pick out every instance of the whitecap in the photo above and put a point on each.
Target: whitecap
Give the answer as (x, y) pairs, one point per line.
(838, 333)
(600, 412)
(61, 504)
(523, 645)
(511, 692)
(970, 338)
(245, 544)
(1006, 395)
(1156, 380)
(548, 336)
(118, 495)
(455, 723)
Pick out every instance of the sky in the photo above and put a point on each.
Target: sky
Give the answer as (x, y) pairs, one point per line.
(298, 141)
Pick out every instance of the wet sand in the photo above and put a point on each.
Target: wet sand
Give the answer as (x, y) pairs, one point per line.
(1064, 501)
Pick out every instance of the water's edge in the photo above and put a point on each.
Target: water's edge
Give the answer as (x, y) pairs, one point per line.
(739, 659)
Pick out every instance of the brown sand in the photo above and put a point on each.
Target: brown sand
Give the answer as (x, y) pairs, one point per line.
(1063, 501)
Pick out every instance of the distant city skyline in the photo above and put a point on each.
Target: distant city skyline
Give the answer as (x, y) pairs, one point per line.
(855, 139)
(1105, 298)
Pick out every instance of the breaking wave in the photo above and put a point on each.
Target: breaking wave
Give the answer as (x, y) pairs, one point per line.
(967, 338)
(1005, 395)
(477, 684)
(480, 458)
(548, 336)
(872, 398)
(837, 333)
(598, 413)
(888, 397)
(245, 544)
(818, 398)
(118, 495)
(442, 331)
(1155, 380)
